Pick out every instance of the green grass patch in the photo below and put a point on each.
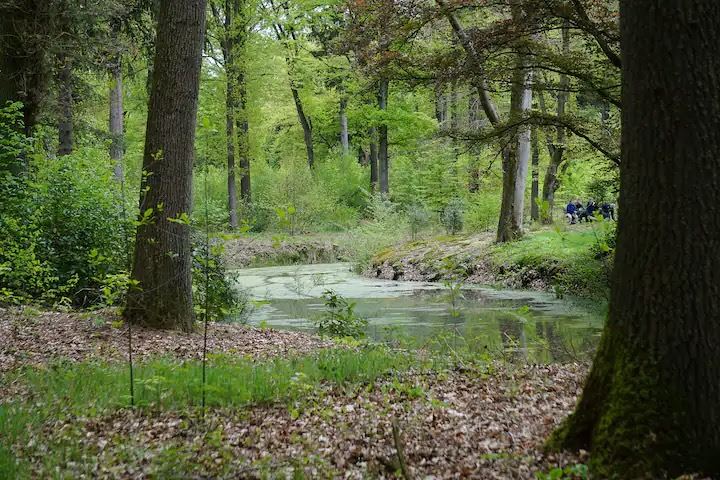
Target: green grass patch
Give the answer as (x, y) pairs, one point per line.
(92, 389)
(572, 261)
(549, 244)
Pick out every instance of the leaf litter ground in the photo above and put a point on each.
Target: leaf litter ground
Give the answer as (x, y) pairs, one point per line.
(484, 422)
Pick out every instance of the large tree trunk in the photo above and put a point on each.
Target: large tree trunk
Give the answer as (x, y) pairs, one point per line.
(383, 161)
(651, 405)
(516, 157)
(523, 148)
(23, 58)
(535, 189)
(162, 263)
(344, 138)
(117, 130)
(65, 107)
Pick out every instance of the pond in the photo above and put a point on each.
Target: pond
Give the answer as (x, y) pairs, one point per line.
(528, 325)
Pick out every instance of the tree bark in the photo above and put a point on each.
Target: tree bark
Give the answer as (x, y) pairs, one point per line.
(535, 189)
(162, 263)
(23, 58)
(440, 105)
(117, 130)
(523, 148)
(344, 137)
(454, 110)
(65, 107)
(306, 125)
(237, 39)
(383, 161)
(651, 405)
(516, 156)
(228, 52)
(230, 124)
(373, 160)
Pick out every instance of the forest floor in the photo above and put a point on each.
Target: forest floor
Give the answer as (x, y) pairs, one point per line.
(567, 261)
(280, 405)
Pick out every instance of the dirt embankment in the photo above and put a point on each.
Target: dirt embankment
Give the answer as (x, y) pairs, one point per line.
(255, 251)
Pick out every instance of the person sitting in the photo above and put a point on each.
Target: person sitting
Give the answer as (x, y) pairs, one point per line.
(608, 211)
(581, 212)
(590, 211)
(570, 212)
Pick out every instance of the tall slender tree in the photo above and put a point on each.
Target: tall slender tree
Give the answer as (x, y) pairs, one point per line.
(383, 159)
(535, 188)
(162, 261)
(651, 404)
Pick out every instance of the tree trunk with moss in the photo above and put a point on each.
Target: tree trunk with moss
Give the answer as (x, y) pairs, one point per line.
(651, 405)
(162, 263)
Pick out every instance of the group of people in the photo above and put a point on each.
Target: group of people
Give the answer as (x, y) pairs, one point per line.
(576, 212)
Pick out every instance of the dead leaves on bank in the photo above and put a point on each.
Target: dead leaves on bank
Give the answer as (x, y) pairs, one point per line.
(41, 337)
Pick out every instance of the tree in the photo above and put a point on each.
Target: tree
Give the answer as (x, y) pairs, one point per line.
(557, 148)
(516, 151)
(162, 261)
(383, 160)
(535, 188)
(285, 32)
(651, 404)
(231, 19)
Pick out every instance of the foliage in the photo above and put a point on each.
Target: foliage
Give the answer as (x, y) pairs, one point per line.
(220, 290)
(384, 225)
(61, 225)
(565, 257)
(452, 216)
(571, 472)
(453, 280)
(339, 318)
(418, 219)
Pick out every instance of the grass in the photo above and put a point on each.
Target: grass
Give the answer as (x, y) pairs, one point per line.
(547, 244)
(568, 258)
(90, 389)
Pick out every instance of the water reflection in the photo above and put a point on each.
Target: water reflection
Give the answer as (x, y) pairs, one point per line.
(521, 325)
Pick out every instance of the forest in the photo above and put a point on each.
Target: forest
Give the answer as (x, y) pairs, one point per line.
(359, 239)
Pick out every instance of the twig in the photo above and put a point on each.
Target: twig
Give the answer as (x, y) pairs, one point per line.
(398, 447)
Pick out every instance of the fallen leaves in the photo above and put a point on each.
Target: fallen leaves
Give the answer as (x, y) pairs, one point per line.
(50, 336)
(482, 430)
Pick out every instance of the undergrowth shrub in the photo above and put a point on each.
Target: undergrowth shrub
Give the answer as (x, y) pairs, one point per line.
(384, 225)
(224, 299)
(339, 318)
(452, 216)
(418, 219)
(61, 229)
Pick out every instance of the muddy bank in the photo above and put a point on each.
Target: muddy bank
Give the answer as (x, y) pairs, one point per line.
(261, 251)
(470, 257)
